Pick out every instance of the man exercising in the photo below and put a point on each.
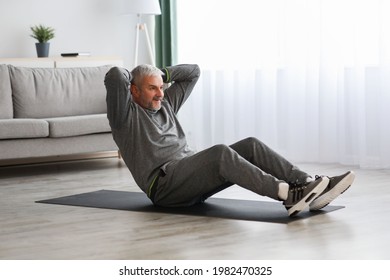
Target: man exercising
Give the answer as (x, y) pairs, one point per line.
(144, 123)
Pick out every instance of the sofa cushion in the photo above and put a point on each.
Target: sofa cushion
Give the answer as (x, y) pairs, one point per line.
(78, 125)
(23, 128)
(58, 92)
(6, 110)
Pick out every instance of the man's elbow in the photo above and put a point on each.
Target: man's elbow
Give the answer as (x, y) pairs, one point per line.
(196, 70)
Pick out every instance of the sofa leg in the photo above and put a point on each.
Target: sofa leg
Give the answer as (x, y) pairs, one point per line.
(119, 155)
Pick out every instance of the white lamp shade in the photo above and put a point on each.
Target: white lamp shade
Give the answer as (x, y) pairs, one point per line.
(142, 7)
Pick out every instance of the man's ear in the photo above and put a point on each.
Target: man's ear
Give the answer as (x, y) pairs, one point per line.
(134, 90)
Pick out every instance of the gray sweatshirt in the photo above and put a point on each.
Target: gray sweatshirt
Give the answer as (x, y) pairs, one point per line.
(149, 140)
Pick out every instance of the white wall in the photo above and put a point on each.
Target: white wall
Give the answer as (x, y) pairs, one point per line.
(94, 26)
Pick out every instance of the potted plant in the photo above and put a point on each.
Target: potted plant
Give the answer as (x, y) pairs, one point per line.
(43, 34)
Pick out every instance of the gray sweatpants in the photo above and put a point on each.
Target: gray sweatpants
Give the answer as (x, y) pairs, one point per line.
(248, 163)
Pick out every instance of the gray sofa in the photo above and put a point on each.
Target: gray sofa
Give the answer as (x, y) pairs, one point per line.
(52, 112)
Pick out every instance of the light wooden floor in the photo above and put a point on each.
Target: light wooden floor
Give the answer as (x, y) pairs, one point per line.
(31, 230)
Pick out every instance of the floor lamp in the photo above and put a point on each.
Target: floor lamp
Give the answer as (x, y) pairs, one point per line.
(143, 7)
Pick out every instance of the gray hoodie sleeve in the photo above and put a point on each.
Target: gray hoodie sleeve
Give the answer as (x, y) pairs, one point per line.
(183, 78)
(117, 82)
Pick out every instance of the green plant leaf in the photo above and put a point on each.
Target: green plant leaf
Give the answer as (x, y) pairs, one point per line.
(42, 33)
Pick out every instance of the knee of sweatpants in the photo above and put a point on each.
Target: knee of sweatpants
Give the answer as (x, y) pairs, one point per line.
(253, 141)
(219, 148)
(220, 151)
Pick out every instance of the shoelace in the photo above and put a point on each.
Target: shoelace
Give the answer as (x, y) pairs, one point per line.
(297, 192)
(297, 188)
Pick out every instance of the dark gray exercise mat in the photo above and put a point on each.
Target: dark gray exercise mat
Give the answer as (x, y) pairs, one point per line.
(261, 211)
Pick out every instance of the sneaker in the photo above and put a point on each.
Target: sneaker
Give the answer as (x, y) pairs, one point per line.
(300, 196)
(337, 185)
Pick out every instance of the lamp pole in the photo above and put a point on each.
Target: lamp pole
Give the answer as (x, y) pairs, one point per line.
(142, 27)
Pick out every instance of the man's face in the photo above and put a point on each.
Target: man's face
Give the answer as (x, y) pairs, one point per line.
(149, 93)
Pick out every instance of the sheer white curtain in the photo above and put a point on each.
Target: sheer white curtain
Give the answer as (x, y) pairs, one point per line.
(309, 78)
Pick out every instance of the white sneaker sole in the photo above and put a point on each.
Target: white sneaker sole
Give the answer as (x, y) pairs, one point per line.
(309, 198)
(327, 198)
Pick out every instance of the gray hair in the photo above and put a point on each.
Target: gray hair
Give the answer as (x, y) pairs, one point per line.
(144, 70)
